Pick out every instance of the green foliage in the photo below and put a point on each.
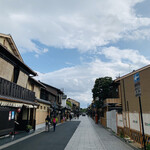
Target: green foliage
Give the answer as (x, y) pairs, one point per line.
(69, 103)
(121, 135)
(148, 147)
(104, 88)
(83, 110)
(28, 127)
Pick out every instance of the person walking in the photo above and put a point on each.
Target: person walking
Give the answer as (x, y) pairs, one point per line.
(70, 116)
(55, 120)
(47, 123)
(78, 115)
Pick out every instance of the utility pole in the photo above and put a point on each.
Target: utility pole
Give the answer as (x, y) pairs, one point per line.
(138, 94)
(141, 114)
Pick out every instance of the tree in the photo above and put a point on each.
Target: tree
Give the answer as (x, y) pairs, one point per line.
(104, 88)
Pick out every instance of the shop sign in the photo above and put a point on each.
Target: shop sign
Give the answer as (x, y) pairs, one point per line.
(10, 104)
(9, 117)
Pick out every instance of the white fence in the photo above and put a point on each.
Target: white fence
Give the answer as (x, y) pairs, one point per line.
(112, 120)
(129, 120)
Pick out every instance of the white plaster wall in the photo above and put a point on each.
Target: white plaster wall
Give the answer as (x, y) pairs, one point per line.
(120, 120)
(134, 121)
(146, 122)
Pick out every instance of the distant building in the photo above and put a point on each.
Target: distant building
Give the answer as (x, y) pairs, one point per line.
(75, 105)
(64, 99)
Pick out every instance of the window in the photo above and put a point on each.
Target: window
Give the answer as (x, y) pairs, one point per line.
(32, 87)
(41, 107)
(16, 74)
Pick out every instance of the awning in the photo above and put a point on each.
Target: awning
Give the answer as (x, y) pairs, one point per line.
(29, 106)
(18, 101)
(43, 101)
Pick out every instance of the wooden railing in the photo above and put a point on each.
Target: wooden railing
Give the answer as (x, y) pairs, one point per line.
(112, 100)
(11, 89)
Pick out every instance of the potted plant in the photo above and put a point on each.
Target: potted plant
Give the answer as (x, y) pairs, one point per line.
(28, 128)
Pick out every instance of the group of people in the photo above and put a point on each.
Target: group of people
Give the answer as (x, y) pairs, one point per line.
(53, 121)
(49, 121)
(75, 116)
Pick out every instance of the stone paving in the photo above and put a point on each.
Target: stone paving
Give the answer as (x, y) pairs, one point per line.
(90, 136)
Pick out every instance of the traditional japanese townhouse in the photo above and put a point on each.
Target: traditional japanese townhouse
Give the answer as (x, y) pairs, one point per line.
(66, 106)
(16, 101)
(44, 106)
(130, 121)
(54, 95)
(75, 106)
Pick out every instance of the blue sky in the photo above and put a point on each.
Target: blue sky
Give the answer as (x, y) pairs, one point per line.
(71, 43)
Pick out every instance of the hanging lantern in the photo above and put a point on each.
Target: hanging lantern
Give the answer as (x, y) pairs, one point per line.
(18, 110)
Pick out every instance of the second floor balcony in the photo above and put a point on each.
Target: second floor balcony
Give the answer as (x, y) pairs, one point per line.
(12, 90)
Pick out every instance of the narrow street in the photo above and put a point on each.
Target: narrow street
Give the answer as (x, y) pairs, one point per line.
(48, 140)
(78, 134)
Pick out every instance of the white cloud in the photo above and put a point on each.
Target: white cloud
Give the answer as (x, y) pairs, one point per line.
(79, 80)
(68, 24)
(129, 55)
(45, 50)
(142, 34)
(36, 55)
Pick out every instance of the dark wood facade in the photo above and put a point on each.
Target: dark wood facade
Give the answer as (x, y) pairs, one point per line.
(10, 89)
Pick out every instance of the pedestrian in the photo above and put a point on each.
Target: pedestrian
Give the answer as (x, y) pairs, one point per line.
(47, 123)
(55, 120)
(70, 116)
(64, 119)
(78, 115)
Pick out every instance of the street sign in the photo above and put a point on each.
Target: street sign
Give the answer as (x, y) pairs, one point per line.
(136, 78)
(137, 90)
(137, 85)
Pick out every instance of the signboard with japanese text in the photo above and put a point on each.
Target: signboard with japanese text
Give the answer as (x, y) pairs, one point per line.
(137, 84)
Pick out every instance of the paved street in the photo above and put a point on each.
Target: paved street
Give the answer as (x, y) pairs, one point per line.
(87, 136)
(90, 136)
(48, 140)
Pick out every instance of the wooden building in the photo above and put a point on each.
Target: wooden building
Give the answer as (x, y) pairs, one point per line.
(44, 106)
(17, 103)
(54, 96)
(75, 106)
